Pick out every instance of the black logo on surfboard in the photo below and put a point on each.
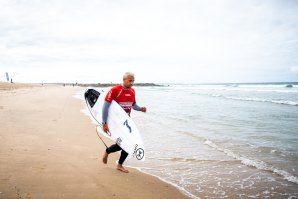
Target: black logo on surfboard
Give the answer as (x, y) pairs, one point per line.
(126, 123)
(139, 153)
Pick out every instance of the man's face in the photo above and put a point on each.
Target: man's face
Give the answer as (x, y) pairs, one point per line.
(128, 82)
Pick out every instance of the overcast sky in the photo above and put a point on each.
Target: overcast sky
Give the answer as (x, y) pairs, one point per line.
(185, 41)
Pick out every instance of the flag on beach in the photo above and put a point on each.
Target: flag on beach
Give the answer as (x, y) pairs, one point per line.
(7, 77)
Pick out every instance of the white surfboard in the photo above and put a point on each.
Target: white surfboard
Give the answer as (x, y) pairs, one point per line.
(122, 129)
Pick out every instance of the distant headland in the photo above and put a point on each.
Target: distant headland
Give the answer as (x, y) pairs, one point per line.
(106, 84)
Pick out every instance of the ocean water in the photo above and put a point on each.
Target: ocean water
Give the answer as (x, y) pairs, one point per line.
(221, 141)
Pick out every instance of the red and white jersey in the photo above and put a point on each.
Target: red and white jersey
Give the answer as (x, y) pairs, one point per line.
(125, 97)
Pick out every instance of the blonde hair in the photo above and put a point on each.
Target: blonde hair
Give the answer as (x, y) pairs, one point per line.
(128, 74)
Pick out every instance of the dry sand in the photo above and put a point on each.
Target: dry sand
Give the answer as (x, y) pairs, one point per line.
(10, 86)
(49, 149)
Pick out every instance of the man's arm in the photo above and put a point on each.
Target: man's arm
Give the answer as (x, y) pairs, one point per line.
(105, 113)
(137, 108)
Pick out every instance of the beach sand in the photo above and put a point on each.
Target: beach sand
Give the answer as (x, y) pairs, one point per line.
(49, 149)
(11, 86)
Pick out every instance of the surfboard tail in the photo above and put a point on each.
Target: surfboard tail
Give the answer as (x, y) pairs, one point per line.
(92, 96)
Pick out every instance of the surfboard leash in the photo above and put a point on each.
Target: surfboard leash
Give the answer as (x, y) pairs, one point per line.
(99, 136)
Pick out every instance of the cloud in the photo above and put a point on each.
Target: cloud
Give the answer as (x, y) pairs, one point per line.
(198, 39)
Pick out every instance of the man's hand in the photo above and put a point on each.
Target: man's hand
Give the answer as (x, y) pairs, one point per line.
(143, 109)
(105, 127)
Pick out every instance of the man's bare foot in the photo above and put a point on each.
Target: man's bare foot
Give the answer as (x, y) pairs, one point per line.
(121, 168)
(105, 158)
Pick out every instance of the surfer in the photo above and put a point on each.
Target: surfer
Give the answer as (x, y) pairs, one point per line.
(124, 95)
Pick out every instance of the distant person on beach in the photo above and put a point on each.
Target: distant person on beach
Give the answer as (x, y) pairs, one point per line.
(124, 95)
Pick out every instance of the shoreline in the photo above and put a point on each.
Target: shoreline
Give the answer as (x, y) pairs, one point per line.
(181, 189)
(50, 150)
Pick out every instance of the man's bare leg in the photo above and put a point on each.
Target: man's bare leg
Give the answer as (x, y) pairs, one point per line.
(121, 168)
(105, 158)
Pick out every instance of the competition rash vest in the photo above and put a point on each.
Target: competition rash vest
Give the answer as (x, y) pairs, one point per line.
(125, 97)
